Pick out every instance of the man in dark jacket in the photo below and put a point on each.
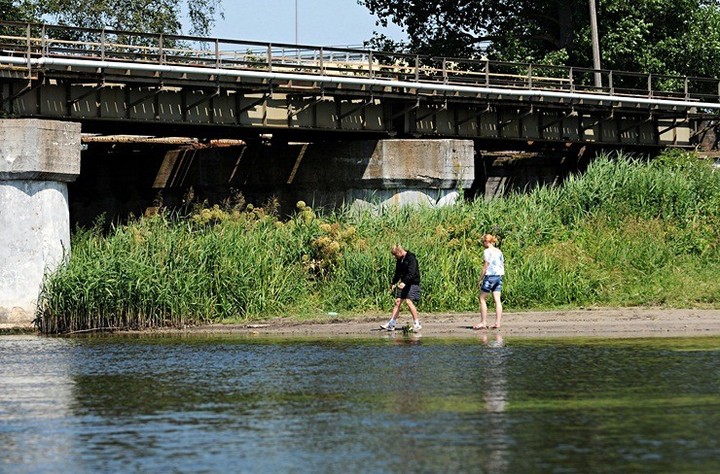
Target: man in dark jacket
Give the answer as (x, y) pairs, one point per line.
(406, 285)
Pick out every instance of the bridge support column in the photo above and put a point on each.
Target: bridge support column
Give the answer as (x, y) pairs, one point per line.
(382, 172)
(37, 160)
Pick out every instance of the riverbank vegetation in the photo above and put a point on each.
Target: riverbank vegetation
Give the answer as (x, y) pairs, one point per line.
(627, 232)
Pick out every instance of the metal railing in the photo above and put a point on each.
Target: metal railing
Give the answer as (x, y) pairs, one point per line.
(39, 41)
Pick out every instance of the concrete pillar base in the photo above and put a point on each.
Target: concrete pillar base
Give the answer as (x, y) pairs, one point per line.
(37, 159)
(376, 199)
(36, 237)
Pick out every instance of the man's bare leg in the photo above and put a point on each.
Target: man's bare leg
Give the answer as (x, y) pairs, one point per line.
(413, 310)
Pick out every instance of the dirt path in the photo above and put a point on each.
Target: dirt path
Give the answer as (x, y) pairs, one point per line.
(622, 322)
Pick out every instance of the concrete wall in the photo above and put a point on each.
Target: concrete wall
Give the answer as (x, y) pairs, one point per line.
(37, 159)
(381, 173)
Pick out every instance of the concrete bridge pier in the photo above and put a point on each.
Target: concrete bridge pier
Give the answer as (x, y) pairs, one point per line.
(37, 160)
(386, 172)
(367, 173)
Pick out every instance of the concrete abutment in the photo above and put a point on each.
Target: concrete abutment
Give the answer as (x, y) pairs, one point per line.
(37, 160)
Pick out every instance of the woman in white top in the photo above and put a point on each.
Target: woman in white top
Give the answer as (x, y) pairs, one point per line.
(491, 280)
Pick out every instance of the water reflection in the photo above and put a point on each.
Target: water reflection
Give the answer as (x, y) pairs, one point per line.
(36, 395)
(495, 397)
(388, 404)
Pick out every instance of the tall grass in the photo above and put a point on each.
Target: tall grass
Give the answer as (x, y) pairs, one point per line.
(626, 232)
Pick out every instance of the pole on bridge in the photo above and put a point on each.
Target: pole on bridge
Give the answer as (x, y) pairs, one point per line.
(595, 44)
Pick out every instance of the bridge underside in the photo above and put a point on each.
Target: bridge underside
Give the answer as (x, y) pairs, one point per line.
(205, 106)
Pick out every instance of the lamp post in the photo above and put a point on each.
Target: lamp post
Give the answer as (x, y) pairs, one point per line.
(595, 44)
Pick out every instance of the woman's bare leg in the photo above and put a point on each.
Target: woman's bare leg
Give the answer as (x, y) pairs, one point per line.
(483, 309)
(498, 308)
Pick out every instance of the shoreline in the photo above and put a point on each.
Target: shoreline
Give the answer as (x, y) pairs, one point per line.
(634, 322)
(605, 323)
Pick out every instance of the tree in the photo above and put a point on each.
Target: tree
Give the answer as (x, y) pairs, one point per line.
(503, 29)
(11, 11)
(153, 16)
(657, 36)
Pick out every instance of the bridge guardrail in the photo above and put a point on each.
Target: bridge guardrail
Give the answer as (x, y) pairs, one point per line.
(46, 41)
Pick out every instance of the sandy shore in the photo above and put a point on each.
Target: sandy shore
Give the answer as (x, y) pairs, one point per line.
(604, 322)
(622, 322)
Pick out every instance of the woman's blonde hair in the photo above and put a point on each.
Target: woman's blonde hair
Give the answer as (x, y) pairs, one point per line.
(490, 238)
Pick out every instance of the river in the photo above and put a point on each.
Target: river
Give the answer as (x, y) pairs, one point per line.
(392, 403)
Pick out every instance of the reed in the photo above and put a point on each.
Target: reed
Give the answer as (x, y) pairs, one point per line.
(625, 232)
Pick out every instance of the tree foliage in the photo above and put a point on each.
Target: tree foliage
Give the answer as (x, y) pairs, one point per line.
(153, 16)
(658, 36)
(12, 12)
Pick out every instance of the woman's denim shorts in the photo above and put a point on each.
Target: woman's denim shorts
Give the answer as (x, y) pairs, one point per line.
(491, 283)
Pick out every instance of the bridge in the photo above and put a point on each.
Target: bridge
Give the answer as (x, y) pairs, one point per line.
(322, 124)
(140, 83)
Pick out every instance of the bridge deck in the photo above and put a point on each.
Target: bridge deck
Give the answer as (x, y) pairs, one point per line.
(108, 75)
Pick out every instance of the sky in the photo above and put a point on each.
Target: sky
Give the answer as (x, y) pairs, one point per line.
(319, 22)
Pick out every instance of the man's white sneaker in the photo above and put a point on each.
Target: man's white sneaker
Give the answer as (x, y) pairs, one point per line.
(390, 326)
(417, 326)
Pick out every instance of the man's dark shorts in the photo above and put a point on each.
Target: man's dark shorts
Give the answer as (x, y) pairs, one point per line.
(410, 292)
